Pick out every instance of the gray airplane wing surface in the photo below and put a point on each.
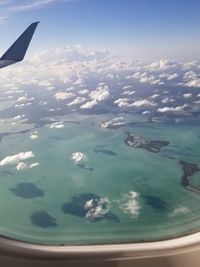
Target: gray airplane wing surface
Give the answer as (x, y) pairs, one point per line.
(18, 49)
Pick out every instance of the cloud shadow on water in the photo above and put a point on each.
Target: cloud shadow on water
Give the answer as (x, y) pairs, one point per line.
(27, 190)
(43, 219)
(105, 151)
(156, 203)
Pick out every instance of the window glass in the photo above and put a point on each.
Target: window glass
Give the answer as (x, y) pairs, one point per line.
(100, 121)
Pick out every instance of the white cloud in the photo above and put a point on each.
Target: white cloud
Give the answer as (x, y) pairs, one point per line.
(83, 92)
(180, 210)
(172, 109)
(78, 157)
(165, 100)
(190, 75)
(155, 96)
(33, 165)
(33, 136)
(193, 83)
(172, 76)
(162, 64)
(197, 102)
(145, 77)
(127, 87)
(113, 122)
(77, 101)
(129, 204)
(122, 102)
(24, 166)
(15, 159)
(97, 208)
(129, 93)
(187, 95)
(100, 94)
(22, 99)
(89, 104)
(142, 102)
(191, 79)
(146, 112)
(57, 125)
(63, 95)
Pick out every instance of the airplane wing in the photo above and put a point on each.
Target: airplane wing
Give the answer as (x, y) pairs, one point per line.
(18, 49)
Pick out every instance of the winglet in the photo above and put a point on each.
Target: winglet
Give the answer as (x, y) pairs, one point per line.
(18, 49)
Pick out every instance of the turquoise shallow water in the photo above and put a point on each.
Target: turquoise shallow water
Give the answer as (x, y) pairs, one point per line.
(115, 194)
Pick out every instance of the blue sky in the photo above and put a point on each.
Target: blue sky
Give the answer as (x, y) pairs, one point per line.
(137, 28)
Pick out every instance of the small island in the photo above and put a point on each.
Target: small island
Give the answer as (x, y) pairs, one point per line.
(188, 170)
(153, 146)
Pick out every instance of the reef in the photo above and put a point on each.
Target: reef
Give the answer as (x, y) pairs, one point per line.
(153, 146)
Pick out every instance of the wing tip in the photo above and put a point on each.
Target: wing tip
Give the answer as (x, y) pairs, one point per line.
(34, 24)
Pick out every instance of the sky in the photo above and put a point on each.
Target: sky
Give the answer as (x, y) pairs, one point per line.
(143, 29)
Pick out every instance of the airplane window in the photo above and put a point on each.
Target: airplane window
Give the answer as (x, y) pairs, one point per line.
(99, 121)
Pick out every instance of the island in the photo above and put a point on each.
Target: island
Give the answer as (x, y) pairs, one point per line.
(153, 146)
(188, 170)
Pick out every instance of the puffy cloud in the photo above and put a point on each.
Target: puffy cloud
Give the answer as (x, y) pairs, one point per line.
(114, 122)
(193, 83)
(143, 102)
(165, 100)
(22, 99)
(122, 102)
(172, 76)
(125, 102)
(146, 112)
(63, 95)
(129, 93)
(191, 79)
(172, 109)
(180, 210)
(155, 96)
(187, 95)
(97, 208)
(77, 101)
(78, 157)
(15, 159)
(89, 104)
(83, 92)
(145, 77)
(100, 94)
(19, 117)
(34, 135)
(24, 166)
(162, 64)
(190, 75)
(129, 204)
(57, 125)
(126, 87)
(197, 102)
